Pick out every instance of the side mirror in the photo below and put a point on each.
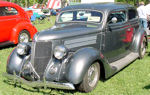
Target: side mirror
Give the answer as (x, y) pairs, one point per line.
(114, 20)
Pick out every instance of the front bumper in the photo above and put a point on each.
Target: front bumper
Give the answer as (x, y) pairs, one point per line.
(39, 84)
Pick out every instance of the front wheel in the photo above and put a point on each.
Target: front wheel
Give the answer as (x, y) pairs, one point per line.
(142, 48)
(24, 36)
(91, 78)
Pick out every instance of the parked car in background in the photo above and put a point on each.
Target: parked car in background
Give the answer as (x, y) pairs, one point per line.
(55, 12)
(29, 13)
(15, 24)
(35, 14)
(88, 41)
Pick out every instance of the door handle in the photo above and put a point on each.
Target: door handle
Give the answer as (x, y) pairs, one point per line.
(129, 29)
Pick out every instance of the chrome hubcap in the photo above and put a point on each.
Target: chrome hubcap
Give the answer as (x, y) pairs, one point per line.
(24, 37)
(92, 75)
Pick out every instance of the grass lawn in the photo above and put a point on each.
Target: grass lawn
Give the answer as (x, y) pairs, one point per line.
(133, 80)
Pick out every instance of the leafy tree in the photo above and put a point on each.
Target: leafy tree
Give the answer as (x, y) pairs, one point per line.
(133, 2)
(27, 3)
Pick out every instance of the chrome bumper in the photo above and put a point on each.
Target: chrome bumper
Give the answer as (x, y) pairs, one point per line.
(18, 79)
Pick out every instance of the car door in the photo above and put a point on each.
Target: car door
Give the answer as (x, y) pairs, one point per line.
(134, 25)
(8, 19)
(114, 36)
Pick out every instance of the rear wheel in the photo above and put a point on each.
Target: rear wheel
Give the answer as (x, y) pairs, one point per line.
(142, 48)
(24, 36)
(91, 78)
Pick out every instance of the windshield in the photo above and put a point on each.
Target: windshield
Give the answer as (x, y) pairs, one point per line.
(80, 16)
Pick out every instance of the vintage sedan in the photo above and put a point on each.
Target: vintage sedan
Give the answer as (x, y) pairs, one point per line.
(15, 24)
(88, 41)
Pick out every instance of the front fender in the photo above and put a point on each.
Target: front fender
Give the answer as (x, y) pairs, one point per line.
(79, 64)
(15, 62)
(140, 33)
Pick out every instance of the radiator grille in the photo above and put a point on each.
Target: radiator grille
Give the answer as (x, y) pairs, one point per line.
(41, 54)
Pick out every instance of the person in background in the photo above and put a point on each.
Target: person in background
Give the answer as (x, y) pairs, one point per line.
(148, 8)
(68, 3)
(148, 15)
(142, 12)
(63, 3)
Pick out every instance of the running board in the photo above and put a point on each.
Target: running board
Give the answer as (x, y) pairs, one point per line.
(118, 65)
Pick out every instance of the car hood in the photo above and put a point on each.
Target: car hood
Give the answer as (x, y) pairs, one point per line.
(64, 31)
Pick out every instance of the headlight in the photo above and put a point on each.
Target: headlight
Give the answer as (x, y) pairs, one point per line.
(60, 52)
(22, 49)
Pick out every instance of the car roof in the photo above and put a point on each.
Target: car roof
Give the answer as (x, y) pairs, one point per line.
(99, 6)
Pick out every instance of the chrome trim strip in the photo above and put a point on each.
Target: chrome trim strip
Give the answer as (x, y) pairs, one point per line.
(89, 42)
(33, 52)
(34, 71)
(80, 42)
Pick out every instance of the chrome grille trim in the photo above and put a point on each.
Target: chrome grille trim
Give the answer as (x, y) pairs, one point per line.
(41, 54)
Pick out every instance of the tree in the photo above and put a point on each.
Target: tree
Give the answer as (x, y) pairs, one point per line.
(26, 3)
(44, 1)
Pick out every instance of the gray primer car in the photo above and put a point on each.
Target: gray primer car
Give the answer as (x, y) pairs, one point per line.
(88, 41)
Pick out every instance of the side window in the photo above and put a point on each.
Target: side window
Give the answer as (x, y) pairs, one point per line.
(7, 11)
(132, 14)
(120, 16)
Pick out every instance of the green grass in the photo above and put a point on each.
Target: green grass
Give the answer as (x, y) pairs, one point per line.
(132, 80)
(41, 25)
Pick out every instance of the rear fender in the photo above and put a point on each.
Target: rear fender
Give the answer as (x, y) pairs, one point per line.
(19, 27)
(139, 35)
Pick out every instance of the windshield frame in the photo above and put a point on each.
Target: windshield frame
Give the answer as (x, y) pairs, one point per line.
(57, 18)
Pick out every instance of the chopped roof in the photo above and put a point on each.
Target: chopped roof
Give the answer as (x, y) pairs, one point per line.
(98, 6)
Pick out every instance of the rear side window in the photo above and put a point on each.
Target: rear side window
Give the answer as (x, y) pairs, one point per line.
(8, 11)
(119, 15)
(132, 14)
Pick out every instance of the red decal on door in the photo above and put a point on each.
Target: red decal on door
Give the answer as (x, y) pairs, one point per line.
(128, 35)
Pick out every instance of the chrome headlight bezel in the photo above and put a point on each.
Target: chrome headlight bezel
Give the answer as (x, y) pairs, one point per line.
(60, 52)
(22, 49)
(35, 37)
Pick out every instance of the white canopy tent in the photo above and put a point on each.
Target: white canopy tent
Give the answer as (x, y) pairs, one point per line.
(54, 4)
